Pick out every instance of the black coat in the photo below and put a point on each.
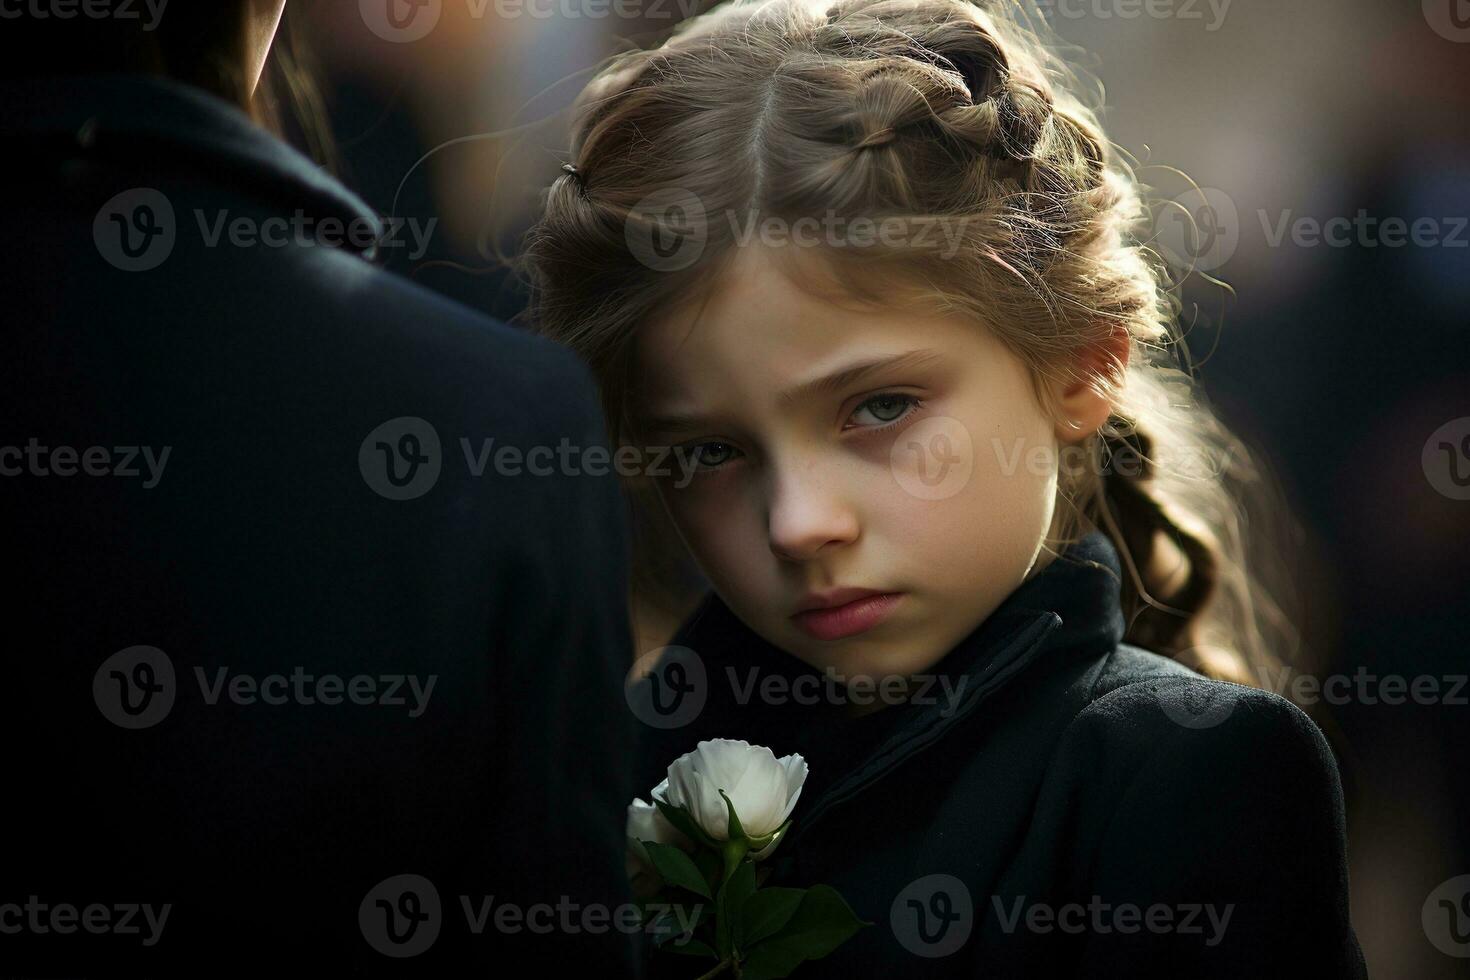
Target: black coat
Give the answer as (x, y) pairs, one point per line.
(272, 541)
(1031, 824)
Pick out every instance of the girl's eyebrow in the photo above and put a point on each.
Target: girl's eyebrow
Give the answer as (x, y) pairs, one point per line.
(854, 373)
(827, 384)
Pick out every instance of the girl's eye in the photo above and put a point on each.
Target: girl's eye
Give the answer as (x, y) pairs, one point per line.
(709, 455)
(884, 410)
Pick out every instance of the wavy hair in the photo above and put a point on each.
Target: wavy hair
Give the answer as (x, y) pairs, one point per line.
(941, 111)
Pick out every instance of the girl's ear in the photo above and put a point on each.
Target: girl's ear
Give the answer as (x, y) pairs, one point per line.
(1084, 401)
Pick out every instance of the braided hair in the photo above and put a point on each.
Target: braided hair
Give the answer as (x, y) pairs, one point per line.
(945, 111)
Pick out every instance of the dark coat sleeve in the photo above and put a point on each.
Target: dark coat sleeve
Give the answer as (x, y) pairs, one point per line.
(563, 733)
(1223, 828)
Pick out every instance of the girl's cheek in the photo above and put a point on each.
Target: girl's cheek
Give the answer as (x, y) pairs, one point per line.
(716, 528)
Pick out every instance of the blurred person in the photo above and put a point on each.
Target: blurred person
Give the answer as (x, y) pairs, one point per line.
(297, 687)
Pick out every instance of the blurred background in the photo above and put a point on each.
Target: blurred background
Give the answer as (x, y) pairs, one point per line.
(1327, 148)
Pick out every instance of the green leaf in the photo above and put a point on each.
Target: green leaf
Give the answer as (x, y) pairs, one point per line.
(767, 911)
(676, 867)
(736, 831)
(772, 841)
(821, 923)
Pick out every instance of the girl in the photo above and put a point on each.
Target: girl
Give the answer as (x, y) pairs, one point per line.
(872, 269)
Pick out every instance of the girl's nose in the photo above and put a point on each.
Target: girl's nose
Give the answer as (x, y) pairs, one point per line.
(808, 513)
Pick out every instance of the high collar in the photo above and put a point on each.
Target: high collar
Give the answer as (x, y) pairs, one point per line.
(138, 117)
(1071, 606)
(1077, 595)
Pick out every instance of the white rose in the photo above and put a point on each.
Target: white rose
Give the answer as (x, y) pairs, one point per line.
(762, 788)
(645, 822)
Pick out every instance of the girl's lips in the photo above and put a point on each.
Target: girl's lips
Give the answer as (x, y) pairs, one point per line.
(848, 619)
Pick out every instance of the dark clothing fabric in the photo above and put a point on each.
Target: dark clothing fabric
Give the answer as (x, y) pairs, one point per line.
(1076, 807)
(287, 533)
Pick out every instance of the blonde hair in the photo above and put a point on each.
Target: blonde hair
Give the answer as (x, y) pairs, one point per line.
(923, 111)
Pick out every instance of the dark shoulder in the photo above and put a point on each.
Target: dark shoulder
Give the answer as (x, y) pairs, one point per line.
(1146, 710)
(479, 357)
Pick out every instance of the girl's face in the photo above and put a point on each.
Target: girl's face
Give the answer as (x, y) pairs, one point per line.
(888, 452)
